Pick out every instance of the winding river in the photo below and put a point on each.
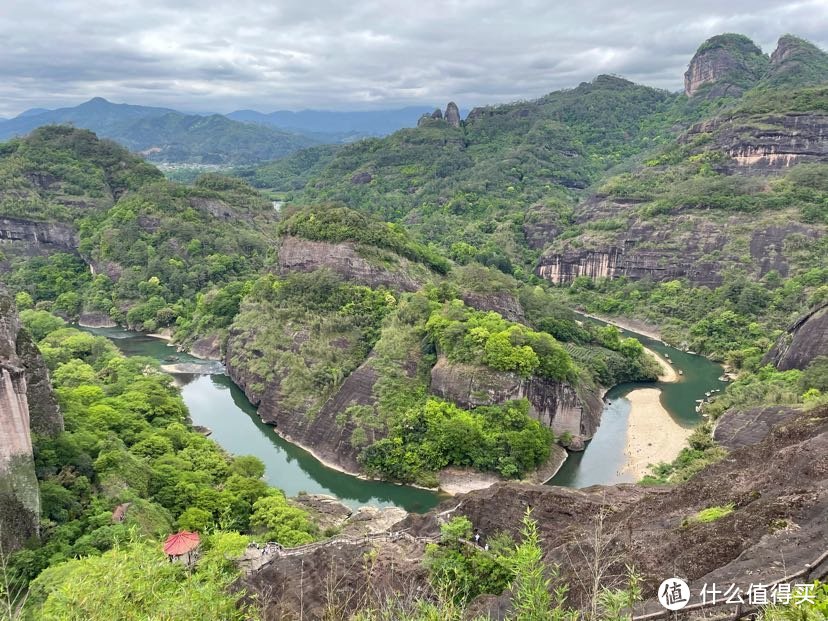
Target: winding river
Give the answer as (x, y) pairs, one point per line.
(218, 404)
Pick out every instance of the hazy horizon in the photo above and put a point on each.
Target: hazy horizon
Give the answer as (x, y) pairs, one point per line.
(218, 56)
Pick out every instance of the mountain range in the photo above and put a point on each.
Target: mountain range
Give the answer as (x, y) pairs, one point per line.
(239, 138)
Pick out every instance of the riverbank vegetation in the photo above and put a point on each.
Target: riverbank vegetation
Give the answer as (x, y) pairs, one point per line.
(128, 445)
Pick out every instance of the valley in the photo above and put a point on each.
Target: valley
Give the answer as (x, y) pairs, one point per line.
(301, 341)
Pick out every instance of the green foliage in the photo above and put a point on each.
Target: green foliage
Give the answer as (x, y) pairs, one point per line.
(127, 441)
(157, 246)
(423, 440)
(814, 608)
(710, 514)
(280, 521)
(337, 224)
(289, 173)
(140, 584)
(466, 335)
(534, 598)
(469, 570)
(40, 323)
(469, 188)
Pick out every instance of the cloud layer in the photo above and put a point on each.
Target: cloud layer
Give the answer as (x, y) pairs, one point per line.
(221, 55)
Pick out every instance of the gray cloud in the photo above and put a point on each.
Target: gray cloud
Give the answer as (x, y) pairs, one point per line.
(220, 55)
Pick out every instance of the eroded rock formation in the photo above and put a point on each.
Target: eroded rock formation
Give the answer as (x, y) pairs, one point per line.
(557, 405)
(726, 64)
(452, 115)
(302, 255)
(26, 404)
(766, 144)
(322, 433)
(685, 245)
(803, 341)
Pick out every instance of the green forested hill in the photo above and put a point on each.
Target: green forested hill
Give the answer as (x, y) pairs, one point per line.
(394, 308)
(616, 183)
(152, 245)
(164, 135)
(471, 184)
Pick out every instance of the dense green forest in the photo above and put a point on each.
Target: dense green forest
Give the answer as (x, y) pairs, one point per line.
(128, 443)
(470, 216)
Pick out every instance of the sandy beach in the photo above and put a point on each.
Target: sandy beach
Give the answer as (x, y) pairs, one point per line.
(668, 373)
(631, 325)
(652, 434)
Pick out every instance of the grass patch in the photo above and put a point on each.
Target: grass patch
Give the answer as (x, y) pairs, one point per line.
(711, 514)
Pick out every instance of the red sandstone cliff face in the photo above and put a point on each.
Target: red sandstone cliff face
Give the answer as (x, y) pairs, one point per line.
(724, 65)
(26, 404)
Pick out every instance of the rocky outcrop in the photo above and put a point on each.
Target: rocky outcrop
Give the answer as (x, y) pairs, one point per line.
(213, 206)
(451, 117)
(501, 302)
(331, 582)
(557, 405)
(37, 237)
(26, 404)
(737, 428)
(95, 319)
(207, 347)
(726, 65)
(796, 62)
(687, 245)
(758, 145)
(452, 114)
(778, 487)
(44, 414)
(803, 341)
(302, 255)
(323, 434)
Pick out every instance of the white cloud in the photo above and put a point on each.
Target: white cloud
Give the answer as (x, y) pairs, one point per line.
(222, 54)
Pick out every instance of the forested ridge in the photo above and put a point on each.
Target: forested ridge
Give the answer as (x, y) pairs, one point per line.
(441, 248)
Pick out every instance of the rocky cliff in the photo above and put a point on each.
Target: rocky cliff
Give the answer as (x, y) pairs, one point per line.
(796, 62)
(375, 269)
(724, 65)
(558, 405)
(324, 434)
(687, 245)
(28, 238)
(26, 404)
(451, 116)
(758, 144)
(803, 341)
(776, 484)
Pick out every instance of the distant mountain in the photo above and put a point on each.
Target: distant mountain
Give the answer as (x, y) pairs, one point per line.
(165, 135)
(353, 124)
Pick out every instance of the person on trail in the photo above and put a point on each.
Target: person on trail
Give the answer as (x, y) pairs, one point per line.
(477, 538)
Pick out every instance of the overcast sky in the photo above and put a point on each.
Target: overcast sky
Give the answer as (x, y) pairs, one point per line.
(221, 55)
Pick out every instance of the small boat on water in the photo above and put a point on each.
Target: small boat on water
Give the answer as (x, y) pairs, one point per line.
(708, 393)
(681, 372)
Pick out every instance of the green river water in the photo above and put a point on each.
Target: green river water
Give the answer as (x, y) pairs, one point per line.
(215, 402)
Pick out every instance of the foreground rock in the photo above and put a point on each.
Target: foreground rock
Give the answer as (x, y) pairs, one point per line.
(778, 488)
